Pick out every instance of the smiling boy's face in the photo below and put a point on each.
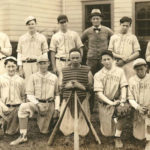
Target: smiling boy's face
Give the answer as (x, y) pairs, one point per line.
(11, 68)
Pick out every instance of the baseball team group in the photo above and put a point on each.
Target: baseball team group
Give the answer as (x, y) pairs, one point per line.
(114, 79)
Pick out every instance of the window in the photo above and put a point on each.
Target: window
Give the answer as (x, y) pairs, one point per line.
(142, 18)
(105, 9)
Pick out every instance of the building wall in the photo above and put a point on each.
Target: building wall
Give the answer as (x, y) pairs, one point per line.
(74, 10)
(46, 12)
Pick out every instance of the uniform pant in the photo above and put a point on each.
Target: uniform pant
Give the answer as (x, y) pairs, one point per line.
(29, 68)
(10, 120)
(107, 125)
(27, 110)
(141, 126)
(67, 124)
(61, 64)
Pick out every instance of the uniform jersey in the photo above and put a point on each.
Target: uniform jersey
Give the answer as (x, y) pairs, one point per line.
(12, 89)
(109, 81)
(139, 90)
(62, 43)
(6, 48)
(124, 44)
(42, 86)
(97, 42)
(29, 45)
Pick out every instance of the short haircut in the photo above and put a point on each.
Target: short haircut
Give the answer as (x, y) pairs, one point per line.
(10, 60)
(74, 50)
(126, 19)
(107, 52)
(30, 20)
(62, 17)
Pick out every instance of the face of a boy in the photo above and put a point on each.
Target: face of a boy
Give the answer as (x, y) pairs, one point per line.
(75, 58)
(125, 27)
(31, 26)
(43, 66)
(141, 71)
(11, 68)
(107, 61)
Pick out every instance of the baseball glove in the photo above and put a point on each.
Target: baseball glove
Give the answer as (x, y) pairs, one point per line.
(122, 111)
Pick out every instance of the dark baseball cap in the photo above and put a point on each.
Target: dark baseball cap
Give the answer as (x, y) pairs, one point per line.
(62, 18)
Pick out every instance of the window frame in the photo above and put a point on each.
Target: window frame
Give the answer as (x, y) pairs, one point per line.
(133, 13)
(97, 2)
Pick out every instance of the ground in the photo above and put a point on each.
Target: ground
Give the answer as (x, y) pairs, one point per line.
(37, 141)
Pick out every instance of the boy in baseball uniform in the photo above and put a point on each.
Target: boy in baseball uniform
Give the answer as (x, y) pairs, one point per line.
(12, 94)
(138, 95)
(30, 46)
(125, 47)
(43, 95)
(83, 82)
(61, 43)
(5, 50)
(110, 86)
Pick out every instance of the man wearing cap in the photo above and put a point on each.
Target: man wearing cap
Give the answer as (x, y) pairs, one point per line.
(61, 43)
(138, 95)
(110, 86)
(125, 47)
(98, 38)
(12, 94)
(30, 46)
(43, 95)
(5, 50)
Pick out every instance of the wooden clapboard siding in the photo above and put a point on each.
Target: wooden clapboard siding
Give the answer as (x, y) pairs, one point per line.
(121, 8)
(46, 12)
(73, 9)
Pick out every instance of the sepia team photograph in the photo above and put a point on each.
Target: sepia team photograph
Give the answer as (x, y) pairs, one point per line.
(75, 75)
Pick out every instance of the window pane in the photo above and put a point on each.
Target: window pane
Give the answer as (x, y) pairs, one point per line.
(105, 9)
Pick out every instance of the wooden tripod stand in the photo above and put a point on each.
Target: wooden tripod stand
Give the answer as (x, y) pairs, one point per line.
(76, 135)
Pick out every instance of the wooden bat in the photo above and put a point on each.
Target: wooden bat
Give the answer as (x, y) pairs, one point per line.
(89, 123)
(51, 138)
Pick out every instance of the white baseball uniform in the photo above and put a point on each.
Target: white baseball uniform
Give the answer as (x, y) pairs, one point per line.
(40, 87)
(125, 45)
(62, 43)
(110, 83)
(12, 94)
(31, 46)
(138, 91)
(6, 48)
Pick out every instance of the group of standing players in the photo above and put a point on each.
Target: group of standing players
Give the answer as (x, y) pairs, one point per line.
(28, 88)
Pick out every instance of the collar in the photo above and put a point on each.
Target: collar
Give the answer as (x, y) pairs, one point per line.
(99, 27)
(9, 77)
(144, 79)
(32, 36)
(109, 71)
(63, 32)
(43, 76)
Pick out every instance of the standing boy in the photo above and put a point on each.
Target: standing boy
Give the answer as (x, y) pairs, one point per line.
(30, 46)
(125, 47)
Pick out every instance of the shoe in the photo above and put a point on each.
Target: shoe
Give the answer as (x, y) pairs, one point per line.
(118, 142)
(21, 139)
(147, 147)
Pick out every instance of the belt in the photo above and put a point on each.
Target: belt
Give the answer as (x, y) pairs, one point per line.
(9, 105)
(29, 61)
(49, 100)
(2, 58)
(63, 59)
